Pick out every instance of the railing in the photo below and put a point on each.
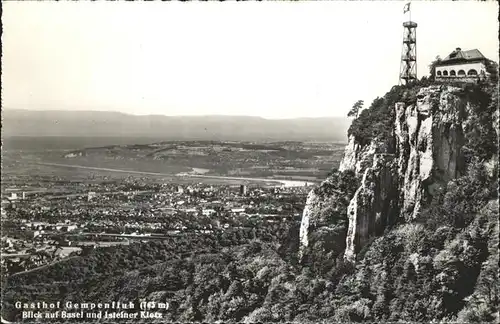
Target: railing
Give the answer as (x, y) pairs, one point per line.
(408, 58)
(410, 24)
(458, 76)
(408, 77)
(461, 78)
(409, 39)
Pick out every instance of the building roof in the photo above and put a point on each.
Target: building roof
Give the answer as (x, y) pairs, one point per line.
(459, 55)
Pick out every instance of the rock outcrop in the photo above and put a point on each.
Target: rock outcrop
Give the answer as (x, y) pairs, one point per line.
(372, 209)
(429, 138)
(398, 174)
(322, 220)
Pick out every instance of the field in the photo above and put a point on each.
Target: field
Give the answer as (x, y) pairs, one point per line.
(77, 158)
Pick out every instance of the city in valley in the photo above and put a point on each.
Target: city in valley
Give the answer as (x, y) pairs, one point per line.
(58, 203)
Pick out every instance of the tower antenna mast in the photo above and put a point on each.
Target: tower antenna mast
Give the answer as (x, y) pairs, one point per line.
(408, 67)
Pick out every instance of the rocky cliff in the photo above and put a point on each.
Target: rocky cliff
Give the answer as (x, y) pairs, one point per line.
(412, 146)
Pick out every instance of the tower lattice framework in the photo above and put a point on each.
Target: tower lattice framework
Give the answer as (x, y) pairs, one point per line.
(408, 69)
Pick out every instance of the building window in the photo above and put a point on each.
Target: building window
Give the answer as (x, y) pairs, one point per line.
(445, 73)
(439, 73)
(472, 72)
(453, 73)
(461, 72)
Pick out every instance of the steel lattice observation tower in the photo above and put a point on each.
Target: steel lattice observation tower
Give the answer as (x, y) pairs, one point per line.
(408, 68)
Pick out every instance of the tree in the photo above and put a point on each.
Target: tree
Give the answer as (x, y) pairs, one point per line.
(492, 70)
(432, 67)
(355, 109)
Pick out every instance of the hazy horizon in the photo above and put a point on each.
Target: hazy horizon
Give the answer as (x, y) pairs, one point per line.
(275, 60)
(98, 123)
(180, 116)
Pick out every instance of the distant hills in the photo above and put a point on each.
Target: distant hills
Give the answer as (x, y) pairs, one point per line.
(212, 127)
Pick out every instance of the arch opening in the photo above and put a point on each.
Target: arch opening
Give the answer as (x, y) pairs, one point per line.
(472, 72)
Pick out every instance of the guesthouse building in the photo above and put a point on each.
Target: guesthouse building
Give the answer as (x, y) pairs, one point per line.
(462, 66)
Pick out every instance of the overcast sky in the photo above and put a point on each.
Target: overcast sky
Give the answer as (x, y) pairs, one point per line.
(275, 60)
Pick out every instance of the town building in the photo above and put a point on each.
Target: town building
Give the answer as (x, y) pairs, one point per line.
(462, 66)
(91, 195)
(208, 212)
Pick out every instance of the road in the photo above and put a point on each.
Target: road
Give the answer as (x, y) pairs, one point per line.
(287, 183)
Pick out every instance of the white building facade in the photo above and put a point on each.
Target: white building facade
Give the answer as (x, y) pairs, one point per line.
(462, 66)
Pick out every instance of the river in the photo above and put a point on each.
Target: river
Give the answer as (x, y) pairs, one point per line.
(279, 182)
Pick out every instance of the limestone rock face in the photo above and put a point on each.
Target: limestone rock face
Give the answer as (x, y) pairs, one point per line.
(495, 122)
(312, 201)
(357, 158)
(322, 219)
(372, 209)
(429, 137)
(398, 175)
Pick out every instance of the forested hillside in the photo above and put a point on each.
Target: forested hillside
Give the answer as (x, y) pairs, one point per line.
(440, 265)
